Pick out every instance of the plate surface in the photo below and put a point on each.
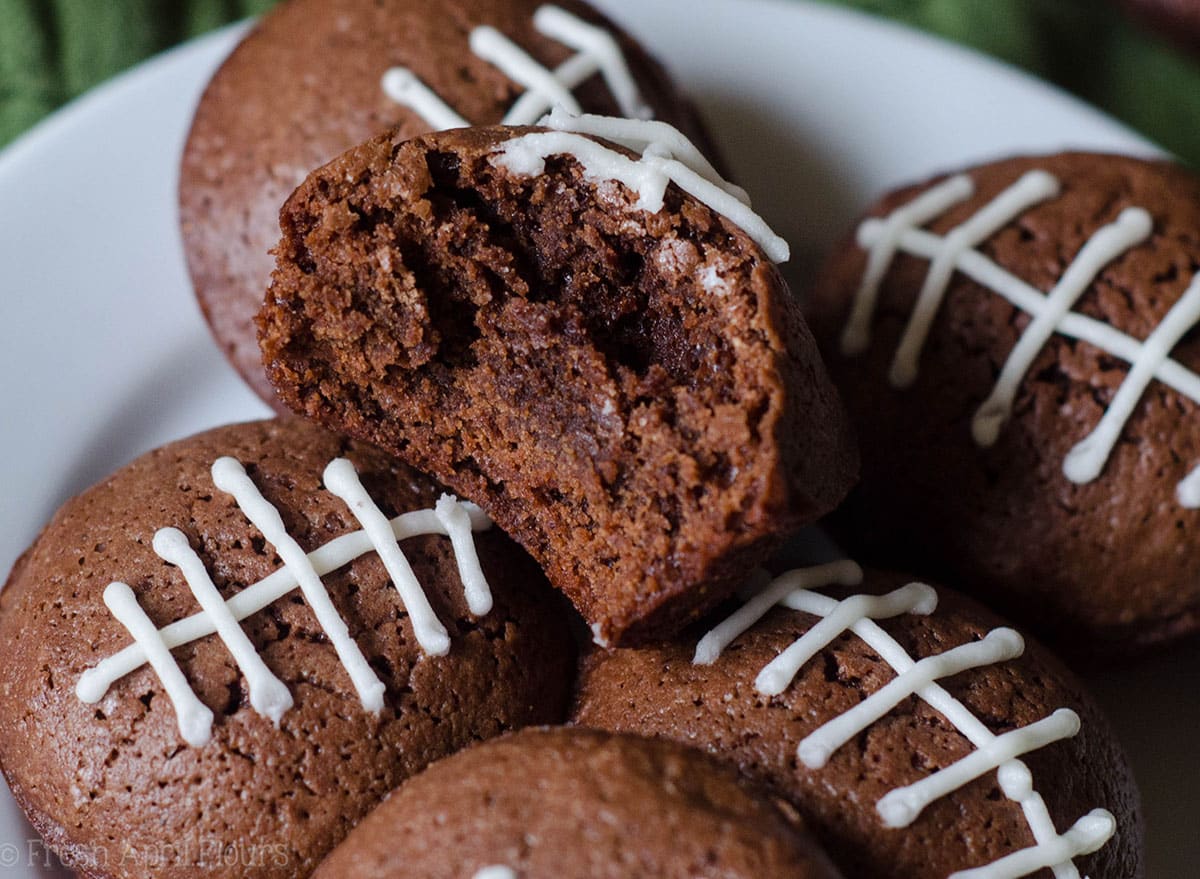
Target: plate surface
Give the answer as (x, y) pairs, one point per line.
(104, 354)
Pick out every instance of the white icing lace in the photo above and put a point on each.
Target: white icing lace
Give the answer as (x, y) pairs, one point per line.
(667, 156)
(267, 693)
(900, 232)
(998, 753)
(596, 51)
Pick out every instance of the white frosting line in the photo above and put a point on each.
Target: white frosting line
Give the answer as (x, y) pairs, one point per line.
(194, 717)
(456, 519)
(495, 872)
(531, 105)
(977, 734)
(598, 52)
(268, 694)
(1085, 461)
(597, 43)
(342, 480)
(900, 807)
(999, 645)
(710, 647)
(405, 88)
(95, 681)
(638, 135)
(519, 66)
(1052, 850)
(526, 156)
(1188, 490)
(857, 334)
(1131, 228)
(1032, 188)
(648, 176)
(983, 271)
(230, 477)
(1086, 835)
(778, 674)
(878, 235)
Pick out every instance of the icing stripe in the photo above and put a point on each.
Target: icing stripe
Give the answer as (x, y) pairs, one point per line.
(531, 105)
(596, 43)
(983, 271)
(857, 334)
(638, 135)
(95, 681)
(194, 717)
(519, 66)
(1086, 835)
(456, 519)
(230, 477)
(1149, 359)
(1130, 229)
(1085, 461)
(1188, 491)
(998, 752)
(778, 674)
(900, 807)
(710, 647)
(998, 646)
(495, 872)
(648, 176)
(597, 51)
(402, 86)
(1034, 187)
(342, 480)
(268, 694)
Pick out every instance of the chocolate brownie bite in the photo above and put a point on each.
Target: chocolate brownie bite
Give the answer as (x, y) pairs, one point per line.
(578, 804)
(186, 693)
(917, 736)
(1016, 347)
(315, 77)
(613, 369)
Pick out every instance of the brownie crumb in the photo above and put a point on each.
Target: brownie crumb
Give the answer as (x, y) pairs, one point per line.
(633, 396)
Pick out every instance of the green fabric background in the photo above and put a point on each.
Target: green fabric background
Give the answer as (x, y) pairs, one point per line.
(53, 50)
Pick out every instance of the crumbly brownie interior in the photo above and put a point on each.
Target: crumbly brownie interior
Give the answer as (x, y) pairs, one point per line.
(616, 388)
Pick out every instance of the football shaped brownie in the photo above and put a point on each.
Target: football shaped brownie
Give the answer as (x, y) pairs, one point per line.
(918, 736)
(577, 804)
(316, 77)
(221, 657)
(582, 329)
(1016, 347)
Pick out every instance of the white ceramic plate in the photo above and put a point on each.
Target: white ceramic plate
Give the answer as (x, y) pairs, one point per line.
(103, 353)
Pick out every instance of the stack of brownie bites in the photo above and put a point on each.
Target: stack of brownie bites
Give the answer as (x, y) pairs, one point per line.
(500, 595)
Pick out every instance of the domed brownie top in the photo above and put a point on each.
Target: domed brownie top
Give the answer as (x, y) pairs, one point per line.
(918, 736)
(1016, 346)
(578, 804)
(215, 665)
